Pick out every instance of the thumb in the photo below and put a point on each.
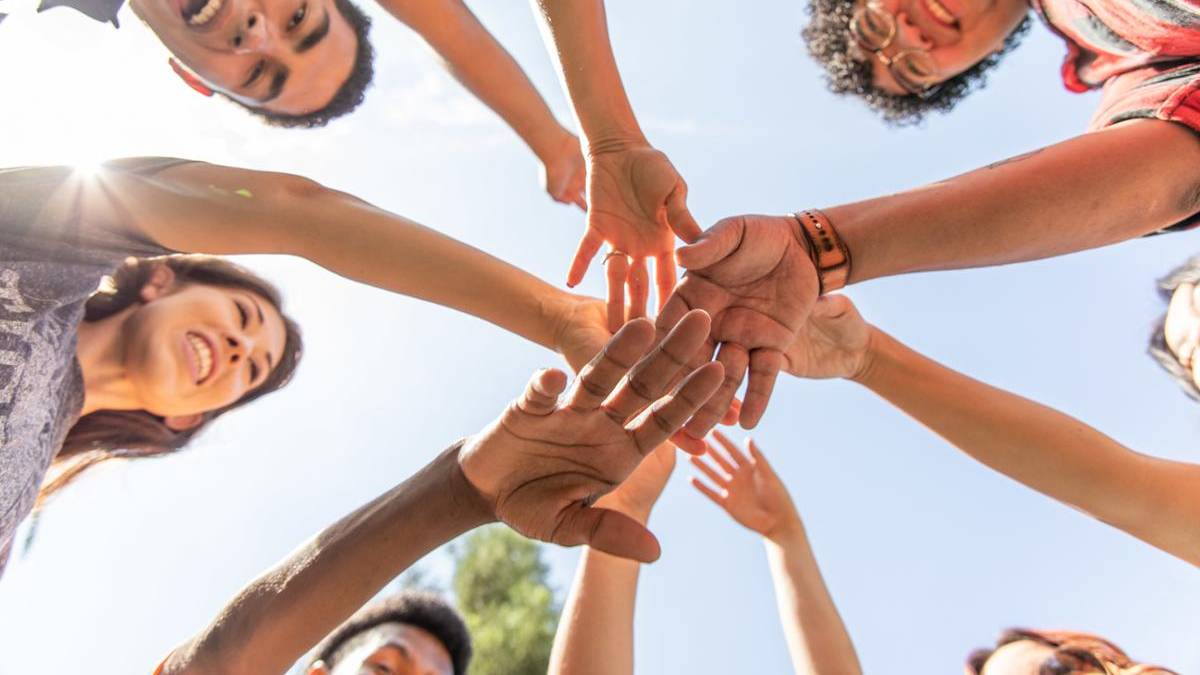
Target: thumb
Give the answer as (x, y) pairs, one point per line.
(541, 394)
(609, 531)
(679, 219)
(712, 246)
(831, 306)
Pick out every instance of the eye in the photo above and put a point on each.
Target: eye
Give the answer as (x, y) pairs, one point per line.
(256, 73)
(298, 17)
(254, 371)
(245, 316)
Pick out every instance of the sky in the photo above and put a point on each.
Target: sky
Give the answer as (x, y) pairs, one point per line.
(927, 554)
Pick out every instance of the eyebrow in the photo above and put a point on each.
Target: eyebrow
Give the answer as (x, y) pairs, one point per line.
(315, 37)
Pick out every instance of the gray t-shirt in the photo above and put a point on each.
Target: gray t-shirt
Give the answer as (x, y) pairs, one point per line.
(50, 263)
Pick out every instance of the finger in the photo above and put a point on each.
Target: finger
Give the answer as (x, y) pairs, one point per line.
(719, 479)
(716, 497)
(669, 414)
(588, 247)
(638, 281)
(718, 242)
(679, 219)
(722, 461)
(689, 444)
(765, 365)
(664, 276)
(731, 415)
(735, 359)
(616, 269)
(580, 199)
(654, 374)
(759, 459)
(734, 452)
(598, 378)
(831, 306)
(608, 531)
(541, 394)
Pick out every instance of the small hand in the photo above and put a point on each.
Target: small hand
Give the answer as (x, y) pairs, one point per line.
(834, 343)
(637, 203)
(747, 488)
(581, 330)
(754, 276)
(638, 494)
(543, 463)
(563, 171)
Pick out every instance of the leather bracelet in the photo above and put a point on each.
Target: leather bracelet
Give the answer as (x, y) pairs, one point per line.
(829, 254)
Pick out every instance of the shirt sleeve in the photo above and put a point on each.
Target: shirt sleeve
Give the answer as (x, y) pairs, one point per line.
(41, 214)
(1165, 91)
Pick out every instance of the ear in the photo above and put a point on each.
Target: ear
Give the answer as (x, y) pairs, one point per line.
(318, 668)
(183, 422)
(158, 283)
(189, 78)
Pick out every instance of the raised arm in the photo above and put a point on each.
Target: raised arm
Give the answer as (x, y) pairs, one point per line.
(207, 208)
(1153, 499)
(755, 275)
(484, 67)
(750, 492)
(538, 467)
(637, 201)
(595, 633)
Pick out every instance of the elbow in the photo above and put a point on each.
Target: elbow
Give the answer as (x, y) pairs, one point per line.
(294, 188)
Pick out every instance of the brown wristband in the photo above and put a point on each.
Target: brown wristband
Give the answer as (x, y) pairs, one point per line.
(829, 254)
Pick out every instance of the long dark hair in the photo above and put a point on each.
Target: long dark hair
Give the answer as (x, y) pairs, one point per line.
(128, 434)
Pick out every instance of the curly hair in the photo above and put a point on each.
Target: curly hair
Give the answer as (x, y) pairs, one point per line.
(827, 35)
(422, 609)
(348, 97)
(1187, 273)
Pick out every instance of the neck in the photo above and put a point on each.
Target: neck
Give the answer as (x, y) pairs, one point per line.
(101, 353)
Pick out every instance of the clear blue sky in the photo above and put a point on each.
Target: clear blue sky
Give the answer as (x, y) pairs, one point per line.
(928, 554)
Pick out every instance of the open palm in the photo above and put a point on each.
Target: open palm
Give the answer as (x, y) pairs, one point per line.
(637, 204)
(833, 343)
(746, 487)
(754, 276)
(544, 461)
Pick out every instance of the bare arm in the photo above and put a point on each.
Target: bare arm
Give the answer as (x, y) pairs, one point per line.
(1089, 191)
(595, 633)
(206, 208)
(1155, 500)
(748, 489)
(484, 67)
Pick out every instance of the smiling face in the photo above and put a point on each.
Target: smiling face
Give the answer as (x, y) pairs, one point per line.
(392, 649)
(957, 34)
(1028, 657)
(285, 56)
(194, 348)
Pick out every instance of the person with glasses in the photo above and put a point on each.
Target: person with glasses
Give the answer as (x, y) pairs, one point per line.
(596, 634)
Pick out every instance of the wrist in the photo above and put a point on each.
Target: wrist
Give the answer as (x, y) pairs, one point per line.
(620, 139)
(878, 344)
(547, 140)
(475, 504)
(788, 531)
(829, 254)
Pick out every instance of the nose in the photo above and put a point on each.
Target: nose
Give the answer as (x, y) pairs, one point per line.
(236, 348)
(251, 35)
(910, 36)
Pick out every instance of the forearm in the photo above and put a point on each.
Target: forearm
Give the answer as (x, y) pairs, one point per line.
(205, 208)
(595, 631)
(1152, 499)
(577, 31)
(279, 616)
(1090, 191)
(816, 637)
(484, 67)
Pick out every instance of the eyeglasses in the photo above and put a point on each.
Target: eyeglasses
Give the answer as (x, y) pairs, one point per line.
(874, 29)
(1076, 653)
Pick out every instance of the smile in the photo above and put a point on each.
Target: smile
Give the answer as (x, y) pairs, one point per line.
(937, 9)
(203, 352)
(198, 13)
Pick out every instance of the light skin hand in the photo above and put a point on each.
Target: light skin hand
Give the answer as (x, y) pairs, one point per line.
(835, 342)
(563, 170)
(746, 487)
(543, 463)
(637, 205)
(754, 276)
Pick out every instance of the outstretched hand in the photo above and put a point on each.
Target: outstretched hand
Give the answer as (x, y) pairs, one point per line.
(637, 203)
(834, 342)
(543, 463)
(754, 276)
(564, 171)
(745, 487)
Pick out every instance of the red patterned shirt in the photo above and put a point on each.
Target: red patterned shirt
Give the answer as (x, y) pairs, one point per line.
(1143, 54)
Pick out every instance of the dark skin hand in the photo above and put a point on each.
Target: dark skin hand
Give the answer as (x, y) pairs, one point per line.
(754, 276)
